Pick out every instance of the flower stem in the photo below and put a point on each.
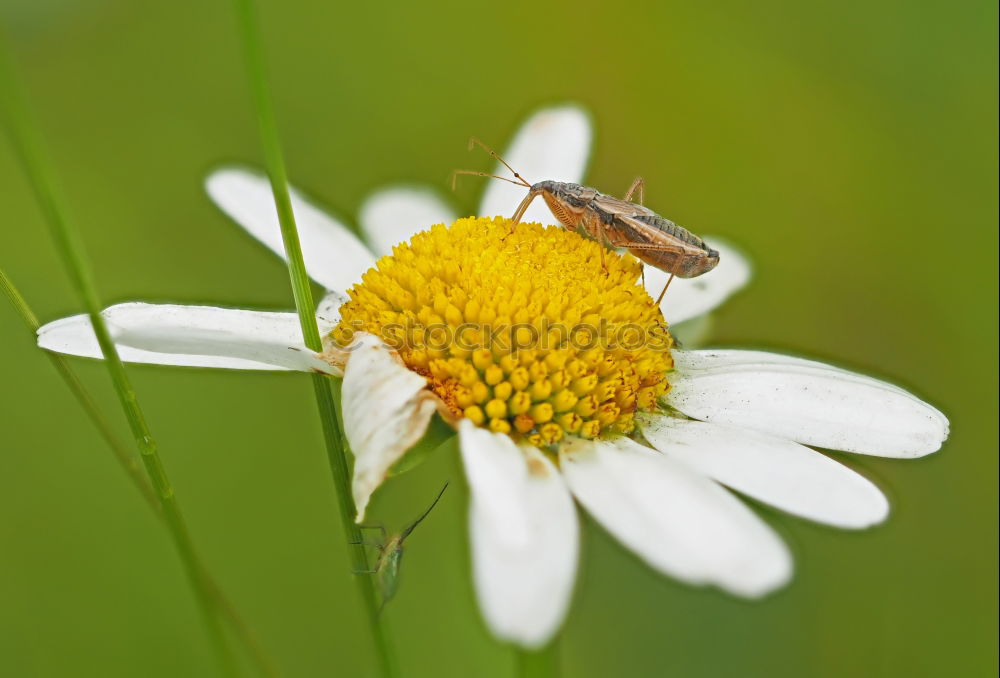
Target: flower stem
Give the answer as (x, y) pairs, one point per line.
(543, 663)
(27, 146)
(302, 292)
(129, 462)
(335, 444)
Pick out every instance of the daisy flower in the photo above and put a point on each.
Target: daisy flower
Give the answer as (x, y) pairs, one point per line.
(562, 383)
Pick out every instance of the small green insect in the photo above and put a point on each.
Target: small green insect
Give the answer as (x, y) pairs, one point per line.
(390, 556)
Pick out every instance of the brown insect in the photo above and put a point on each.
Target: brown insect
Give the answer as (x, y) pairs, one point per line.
(614, 222)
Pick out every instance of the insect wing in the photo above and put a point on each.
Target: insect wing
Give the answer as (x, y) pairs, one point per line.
(619, 207)
(388, 570)
(668, 247)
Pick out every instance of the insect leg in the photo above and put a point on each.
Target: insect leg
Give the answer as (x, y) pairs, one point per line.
(522, 208)
(644, 246)
(364, 542)
(655, 248)
(601, 242)
(660, 298)
(637, 185)
(380, 528)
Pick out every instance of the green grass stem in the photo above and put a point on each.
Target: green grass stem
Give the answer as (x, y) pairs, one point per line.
(28, 147)
(130, 463)
(333, 437)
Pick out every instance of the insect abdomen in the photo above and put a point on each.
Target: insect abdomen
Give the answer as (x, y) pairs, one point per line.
(672, 229)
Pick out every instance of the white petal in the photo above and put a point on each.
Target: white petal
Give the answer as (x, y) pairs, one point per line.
(334, 256)
(806, 401)
(778, 472)
(386, 410)
(675, 519)
(392, 215)
(192, 336)
(689, 298)
(524, 536)
(328, 310)
(554, 144)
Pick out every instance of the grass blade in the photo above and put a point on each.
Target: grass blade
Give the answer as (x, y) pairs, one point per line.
(28, 148)
(301, 290)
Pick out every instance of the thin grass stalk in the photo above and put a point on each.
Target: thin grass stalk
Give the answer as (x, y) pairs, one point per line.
(301, 290)
(123, 455)
(130, 463)
(28, 148)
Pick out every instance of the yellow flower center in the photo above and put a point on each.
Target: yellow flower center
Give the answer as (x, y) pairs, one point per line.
(518, 328)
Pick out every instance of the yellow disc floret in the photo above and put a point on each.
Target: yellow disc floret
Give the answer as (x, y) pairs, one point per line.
(518, 328)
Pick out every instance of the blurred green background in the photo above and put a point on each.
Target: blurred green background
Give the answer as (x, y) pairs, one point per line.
(848, 147)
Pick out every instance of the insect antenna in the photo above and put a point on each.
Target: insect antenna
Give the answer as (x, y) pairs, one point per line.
(473, 141)
(475, 173)
(406, 532)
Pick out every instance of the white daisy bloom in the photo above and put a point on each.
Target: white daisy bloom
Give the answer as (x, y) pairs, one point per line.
(654, 441)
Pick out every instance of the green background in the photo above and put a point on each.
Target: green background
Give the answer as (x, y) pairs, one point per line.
(848, 147)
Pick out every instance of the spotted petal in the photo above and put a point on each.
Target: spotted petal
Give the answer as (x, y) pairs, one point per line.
(690, 298)
(554, 143)
(334, 257)
(677, 520)
(524, 536)
(779, 472)
(328, 309)
(192, 336)
(805, 401)
(386, 410)
(392, 215)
